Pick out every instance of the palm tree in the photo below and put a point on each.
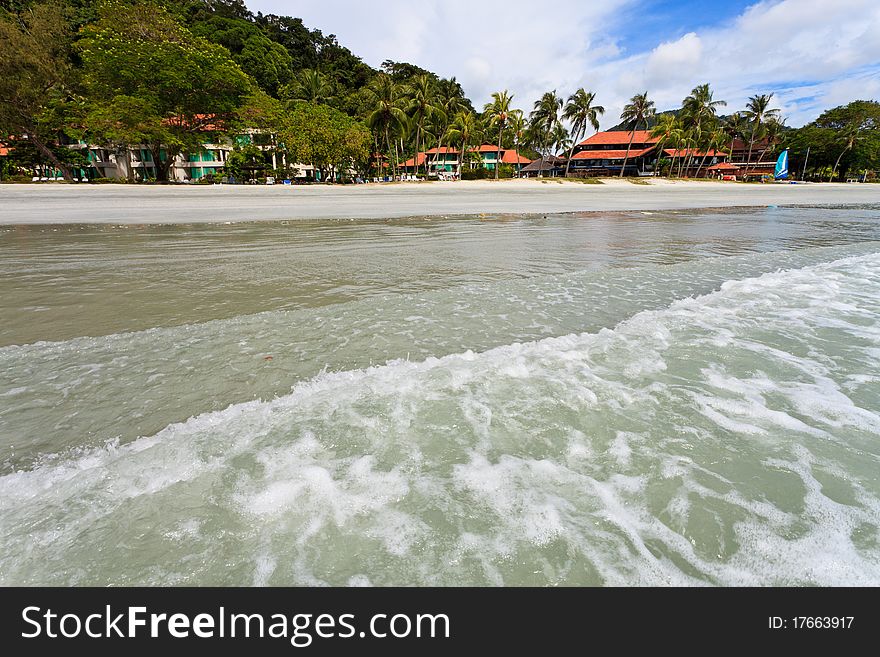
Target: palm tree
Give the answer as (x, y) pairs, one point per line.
(849, 138)
(309, 86)
(422, 106)
(716, 139)
(560, 140)
(700, 109)
(663, 130)
(773, 129)
(463, 129)
(516, 123)
(450, 100)
(387, 117)
(580, 112)
(498, 114)
(757, 111)
(679, 138)
(700, 105)
(638, 110)
(734, 126)
(544, 118)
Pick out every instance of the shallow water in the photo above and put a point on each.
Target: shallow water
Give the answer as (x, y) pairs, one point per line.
(668, 398)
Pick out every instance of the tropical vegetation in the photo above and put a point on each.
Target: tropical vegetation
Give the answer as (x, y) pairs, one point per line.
(172, 75)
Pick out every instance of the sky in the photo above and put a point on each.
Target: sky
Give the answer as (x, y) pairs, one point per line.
(812, 54)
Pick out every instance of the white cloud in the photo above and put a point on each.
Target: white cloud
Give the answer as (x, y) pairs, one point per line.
(677, 61)
(812, 53)
(488, 45)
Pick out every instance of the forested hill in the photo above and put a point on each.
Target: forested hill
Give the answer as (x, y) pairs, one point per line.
(273, 50)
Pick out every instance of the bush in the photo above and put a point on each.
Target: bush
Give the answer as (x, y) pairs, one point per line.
(475, 174)
(505, 171)
(17, 179)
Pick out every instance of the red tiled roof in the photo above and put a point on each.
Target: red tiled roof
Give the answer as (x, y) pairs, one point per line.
(620, 137)
(446, 149)
(512, 157)
(610, 155)
(485, 148)
(672, 152)
(420, 161)
(722, 166)
(3, 151)
(203, 122)
(759, 145)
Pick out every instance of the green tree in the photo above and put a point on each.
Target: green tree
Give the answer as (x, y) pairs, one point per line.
(735, 126)
(516, 125)
(827, 136)
(37, 79)
(325, 137)
(758, 111)
(124, 121)
(638, 110)
(544, 118)
(191, 86)
(422, 106)
(246, 162)
(310, 86)
(450, 101)
(386, 117)
(464, 130)
(699, 109)
(849, 138)
(265, 61)
(498, 112)
(664, 130)
(581, 112)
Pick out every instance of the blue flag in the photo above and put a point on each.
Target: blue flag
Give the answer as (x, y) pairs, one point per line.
(781, 172)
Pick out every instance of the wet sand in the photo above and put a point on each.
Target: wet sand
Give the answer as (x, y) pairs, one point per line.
(142, 204)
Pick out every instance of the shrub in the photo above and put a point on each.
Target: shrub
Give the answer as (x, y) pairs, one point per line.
(475, 174)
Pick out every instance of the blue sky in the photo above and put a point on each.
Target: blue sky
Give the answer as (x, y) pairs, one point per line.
(645, 24)
(813, 54)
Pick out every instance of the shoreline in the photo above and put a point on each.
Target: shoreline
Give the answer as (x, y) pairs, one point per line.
(48, 204)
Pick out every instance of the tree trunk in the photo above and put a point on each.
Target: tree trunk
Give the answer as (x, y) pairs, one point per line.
(418, 142)
(751, 144)
(836, 164)
(65, 170)
(129, 171)
(571, 153)
(632, 136)
(702, 162)
(687, 160)
(162, 168)
(498, 154)
(659, 155)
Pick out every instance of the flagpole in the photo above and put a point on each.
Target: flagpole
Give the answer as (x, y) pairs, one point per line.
(806, 158)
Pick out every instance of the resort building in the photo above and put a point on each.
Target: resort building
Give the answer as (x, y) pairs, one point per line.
(762, 161)
(604, 153)
(206, 162)
(447, 159)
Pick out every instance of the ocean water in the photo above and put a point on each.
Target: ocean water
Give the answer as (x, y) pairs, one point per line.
(683, 398)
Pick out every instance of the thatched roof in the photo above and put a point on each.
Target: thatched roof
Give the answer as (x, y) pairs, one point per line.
(547, 163)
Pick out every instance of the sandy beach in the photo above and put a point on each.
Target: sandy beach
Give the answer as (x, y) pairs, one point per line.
(122, 204)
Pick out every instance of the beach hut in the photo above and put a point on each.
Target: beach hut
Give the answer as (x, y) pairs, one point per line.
(549, 166)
